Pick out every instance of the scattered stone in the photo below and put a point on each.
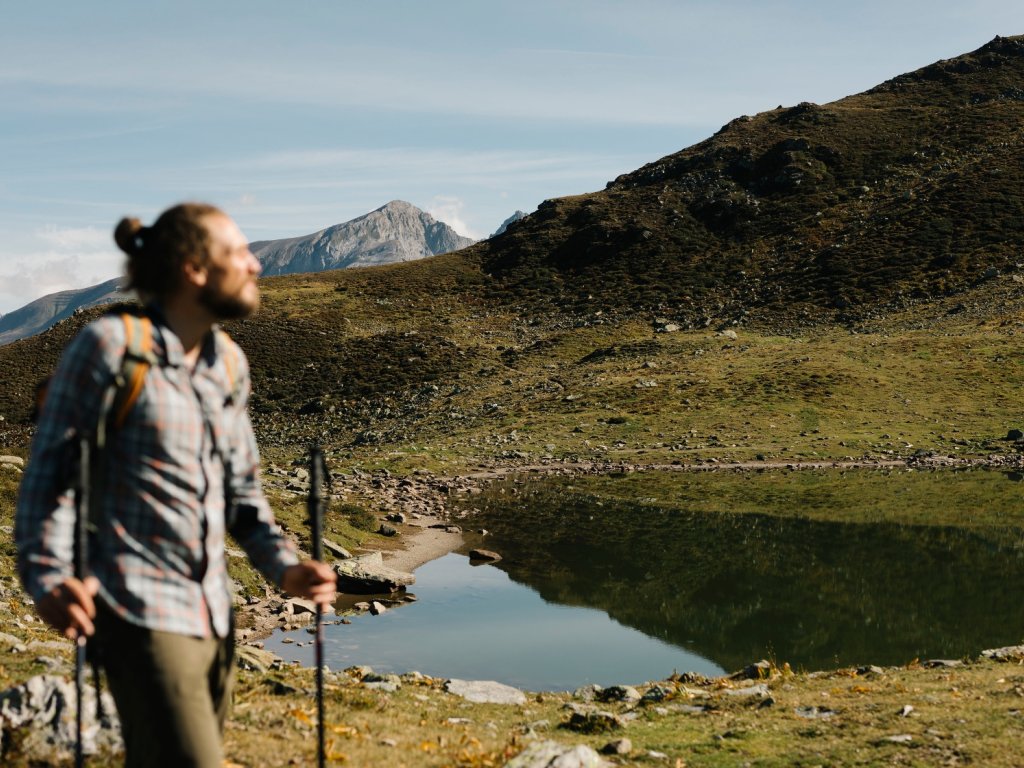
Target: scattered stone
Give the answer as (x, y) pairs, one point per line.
(729, 334)
(459, 721)
(814, 713)
(396, 517)
(485, 692)
(759, 670)
(387, 530)
(617, 747)
(485, 555)
(905, 710)
(255, 659)
(870, 670)
(759, 691)
(296, 605)
(43, 708)
(657, 693)
(1008, 653)
(388, 743)
(594, 722)
(624, 693)
(936, 663)
(337, 550)
(377, 608)
(1013, 434)
(15, 461)
(12, 643)
(587, 693)
(551, 754)
(902, 738)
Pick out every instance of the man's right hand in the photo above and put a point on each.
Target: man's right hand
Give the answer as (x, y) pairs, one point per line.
(69, 608)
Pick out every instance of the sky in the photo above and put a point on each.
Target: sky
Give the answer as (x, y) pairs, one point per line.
(295, 116)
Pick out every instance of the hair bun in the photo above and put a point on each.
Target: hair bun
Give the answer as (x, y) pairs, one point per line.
(129, 235)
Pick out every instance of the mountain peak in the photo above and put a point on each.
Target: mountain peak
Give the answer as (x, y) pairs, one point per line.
(397, 231)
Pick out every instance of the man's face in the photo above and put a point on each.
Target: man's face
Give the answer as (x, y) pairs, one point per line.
(230, 291)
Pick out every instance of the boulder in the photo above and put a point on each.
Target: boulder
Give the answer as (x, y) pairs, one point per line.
(17, 461)
(337, 550)
(485, 555)
(367, 575)
(485, 692)
(551, 754)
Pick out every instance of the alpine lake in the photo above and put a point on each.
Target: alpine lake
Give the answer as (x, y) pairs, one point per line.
(622, 578)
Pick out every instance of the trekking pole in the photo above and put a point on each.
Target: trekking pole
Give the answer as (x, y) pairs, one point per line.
(315, 505)
(80, 570)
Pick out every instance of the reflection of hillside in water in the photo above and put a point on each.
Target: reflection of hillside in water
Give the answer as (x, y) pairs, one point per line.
(735, 588)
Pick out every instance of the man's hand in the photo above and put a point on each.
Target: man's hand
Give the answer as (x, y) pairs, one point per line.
(311, 579)
(70, 608)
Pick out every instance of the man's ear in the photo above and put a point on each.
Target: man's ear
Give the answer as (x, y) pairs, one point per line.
(194, 273)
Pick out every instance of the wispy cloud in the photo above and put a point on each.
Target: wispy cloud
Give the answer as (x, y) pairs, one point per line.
(57, 259)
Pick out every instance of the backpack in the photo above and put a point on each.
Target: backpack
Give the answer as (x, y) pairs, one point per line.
(129, 380)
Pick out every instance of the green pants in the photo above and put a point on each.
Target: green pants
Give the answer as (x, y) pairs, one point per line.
(172, 692)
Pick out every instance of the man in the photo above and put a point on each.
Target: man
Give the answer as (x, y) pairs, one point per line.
(179, 471)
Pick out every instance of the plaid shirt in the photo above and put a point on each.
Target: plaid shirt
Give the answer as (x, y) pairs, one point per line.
(159, 501)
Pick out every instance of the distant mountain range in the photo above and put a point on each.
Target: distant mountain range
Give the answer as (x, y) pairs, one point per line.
(398, 231)
(40, 314)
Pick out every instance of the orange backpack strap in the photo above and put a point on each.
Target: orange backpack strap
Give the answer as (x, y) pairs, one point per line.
(229, 352)
(138, 357)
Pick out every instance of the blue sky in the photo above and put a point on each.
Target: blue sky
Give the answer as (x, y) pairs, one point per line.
(297, 115)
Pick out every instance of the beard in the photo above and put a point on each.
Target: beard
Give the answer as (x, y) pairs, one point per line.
(225, 307)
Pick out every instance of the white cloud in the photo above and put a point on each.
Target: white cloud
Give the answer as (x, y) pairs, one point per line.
(450, 211)
(58, 259)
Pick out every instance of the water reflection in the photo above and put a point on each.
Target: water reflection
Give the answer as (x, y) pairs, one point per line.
(476, 623)
(736, 588)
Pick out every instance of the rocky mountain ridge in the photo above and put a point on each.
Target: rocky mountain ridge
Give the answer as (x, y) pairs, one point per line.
(38, 315)
(397, 231)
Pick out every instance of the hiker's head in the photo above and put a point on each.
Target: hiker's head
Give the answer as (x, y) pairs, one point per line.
(197, 244)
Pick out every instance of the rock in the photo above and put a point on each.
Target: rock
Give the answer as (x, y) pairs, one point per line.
(44, 708)
(625, 693)
(485, 555)
(936, 663)
(12, 643)
(297, 605)
(396, 517)
(1008, 653)
(617, 747)
(255, 659)
(387, 530)
(657, 693)
(729, 335)
(337, 550)
(1013, 434)
(759, 691)
(485, 692)
(905, 710)
(15, 461)
(759, 670)
(588, 693)
(814, 713)
(367, 575)
(594, 722)
(377, 608)
(551, 754)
